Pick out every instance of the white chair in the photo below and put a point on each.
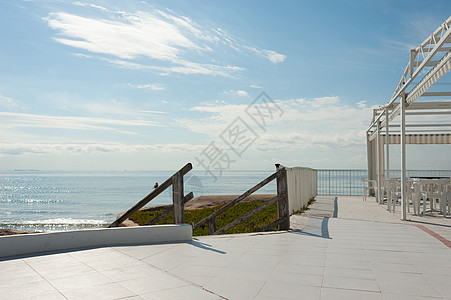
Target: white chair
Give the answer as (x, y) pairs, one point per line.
(416, 196)
(445, 197)
(431, 190)
(369, 184)
(390, 189)
(410, 194)
(448, 198)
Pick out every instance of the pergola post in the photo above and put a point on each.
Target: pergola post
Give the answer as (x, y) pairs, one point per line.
(403, 156)
(378, 168)
(387, 142)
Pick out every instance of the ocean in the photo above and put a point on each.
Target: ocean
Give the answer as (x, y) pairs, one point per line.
(71, 200)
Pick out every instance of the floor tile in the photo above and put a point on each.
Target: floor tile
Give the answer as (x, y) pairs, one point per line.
(87, 279)
(408, 289)
(294, 279)
(350, 283)
(30, 289)
(300, 269)
(342, 294)
(228, 285)
(348, 263)
(349, 273)
(99, 292)
(134, 272)
(184, 292)
(50, 296)
(198, 274)
(289, 291)
(163, 281)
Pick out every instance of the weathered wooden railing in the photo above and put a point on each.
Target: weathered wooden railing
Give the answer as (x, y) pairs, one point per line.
(283, 220)
(178, 199)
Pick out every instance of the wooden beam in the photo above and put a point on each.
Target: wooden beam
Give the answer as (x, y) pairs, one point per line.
(271, 225)
(177, 198)
(247, 216)
(188, 167)
(169, 209)
(282, 205)
(238, 199)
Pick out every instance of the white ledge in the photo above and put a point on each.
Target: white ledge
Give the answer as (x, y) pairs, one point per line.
(54, 241)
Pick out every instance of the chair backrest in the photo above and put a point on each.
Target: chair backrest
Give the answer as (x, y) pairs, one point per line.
(370, 182)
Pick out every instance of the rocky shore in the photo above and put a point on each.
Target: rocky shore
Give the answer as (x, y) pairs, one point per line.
(4, 232)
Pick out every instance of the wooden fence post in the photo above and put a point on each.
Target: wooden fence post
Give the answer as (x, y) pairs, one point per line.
(177, 198)
(282, 204)
(211, 226)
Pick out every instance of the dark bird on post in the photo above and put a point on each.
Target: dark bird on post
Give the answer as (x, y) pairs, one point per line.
(155, 185)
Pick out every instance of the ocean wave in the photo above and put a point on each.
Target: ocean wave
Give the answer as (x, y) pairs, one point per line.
(30, 200)
(66, 221)
(58, 224)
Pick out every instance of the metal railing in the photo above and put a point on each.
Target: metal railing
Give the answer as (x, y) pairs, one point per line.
(348, 182)
(340, 182)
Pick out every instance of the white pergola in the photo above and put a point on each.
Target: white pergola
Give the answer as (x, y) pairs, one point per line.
(424, 98)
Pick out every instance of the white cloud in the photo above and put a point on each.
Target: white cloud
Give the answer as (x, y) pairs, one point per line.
(241, 93)
(141, 34)
(77, 149)
(361, 104)
(7, 102)
(150, 86)
(184, 68)
(324, 122)
(105, 108)
(82, 55)
(273, 56)
(228, 40)
(254, 86)
(90, 5)
(155, 112)
(154, 40)
(16, 120)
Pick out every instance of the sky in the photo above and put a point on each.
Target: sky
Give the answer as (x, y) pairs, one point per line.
(226, 85)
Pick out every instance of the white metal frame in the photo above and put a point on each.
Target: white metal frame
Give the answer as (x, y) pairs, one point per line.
(428, 63)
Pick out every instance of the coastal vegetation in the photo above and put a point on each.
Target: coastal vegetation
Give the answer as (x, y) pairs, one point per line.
(252, 224)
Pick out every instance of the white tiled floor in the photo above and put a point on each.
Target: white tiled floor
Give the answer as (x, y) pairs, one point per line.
(331, 259)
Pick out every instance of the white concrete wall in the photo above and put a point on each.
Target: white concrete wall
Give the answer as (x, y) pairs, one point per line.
(302, 185)
(53, 241)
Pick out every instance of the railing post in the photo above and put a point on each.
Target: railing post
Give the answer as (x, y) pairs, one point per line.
(177, 198)
(329, 183)
(350, 183)
(211, 226)
(282, 204)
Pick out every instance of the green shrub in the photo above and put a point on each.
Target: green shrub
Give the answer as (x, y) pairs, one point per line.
(255, 222)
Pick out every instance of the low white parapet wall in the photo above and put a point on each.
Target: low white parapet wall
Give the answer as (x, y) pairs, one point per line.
(64, 240)
(302, 186)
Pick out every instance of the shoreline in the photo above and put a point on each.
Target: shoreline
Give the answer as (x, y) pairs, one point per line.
(196, 203)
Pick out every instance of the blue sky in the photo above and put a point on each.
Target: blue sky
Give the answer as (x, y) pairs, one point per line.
(113, 85)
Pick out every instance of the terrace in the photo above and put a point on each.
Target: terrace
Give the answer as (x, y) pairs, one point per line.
(342, 248)
(364, 253)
